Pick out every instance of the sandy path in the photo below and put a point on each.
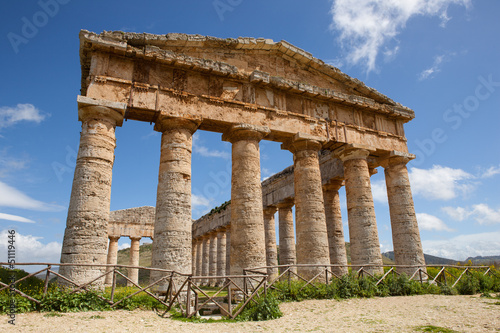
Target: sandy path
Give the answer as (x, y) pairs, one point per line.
(390, 314)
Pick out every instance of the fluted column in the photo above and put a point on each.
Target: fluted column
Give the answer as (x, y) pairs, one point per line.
(112, 258)
(247, 221)
(405, 233)
(310, 221)
(221, 255)
(363, 234)
(133, 273)
(205, 259)
(334, 226)
(212, 261)
(270, 235)
(172, 231)
(86, 233)
(287, 234)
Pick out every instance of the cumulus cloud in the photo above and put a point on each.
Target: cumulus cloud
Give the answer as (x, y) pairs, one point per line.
(367, 26)
(15, 218)
(11, 197)
(9, 116)
(123, 246)
(481, 213)
(441, 183)
(198, 148)
(463, 246)
(431, 222)
(29, 248)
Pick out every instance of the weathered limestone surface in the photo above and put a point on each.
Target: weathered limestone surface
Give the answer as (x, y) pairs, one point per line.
(194, 256)
(310, 222)
(86, 234)
(271, 248)
(205, 259)
(287, 234)
(247, 221)
(212, 261)
(112, 258)
(334, 226)
(133, 273)
(363, 234)
(228, 251)
(132, 222)
(221, 255)
(173, 224)
(199, 257)
(405, 233)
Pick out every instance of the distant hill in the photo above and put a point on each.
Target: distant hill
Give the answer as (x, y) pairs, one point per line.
(429, 260)
(489, 260)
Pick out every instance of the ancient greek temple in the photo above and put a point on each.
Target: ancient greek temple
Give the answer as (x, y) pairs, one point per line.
(338, 130)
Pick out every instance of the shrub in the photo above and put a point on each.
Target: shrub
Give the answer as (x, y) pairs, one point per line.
(266, 308)
(468, 285)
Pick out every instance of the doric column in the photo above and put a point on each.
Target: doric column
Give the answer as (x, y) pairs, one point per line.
(363, 234)
(199, 257)
(405, 233)
(270, 235)
(172, 231)
(112, 257)
(193, 257)
(334, 226)
(221, 255)
(228, 251)
(133, 273)
(247, 222)
(86, 234)
(287, 234)
(212, 261)
(205, 259)
(310, 222)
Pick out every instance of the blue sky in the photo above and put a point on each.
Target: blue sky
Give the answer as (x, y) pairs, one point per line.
(438, 57)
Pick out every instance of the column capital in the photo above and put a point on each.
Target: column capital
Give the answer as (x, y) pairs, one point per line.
(135, 238)
(270, 210)
(287, 203)
(245, 132)
(165, 123)
(91, 108)
(113, 238)
(395, 158)
(353, 152)
(302, 142)
(334, 184)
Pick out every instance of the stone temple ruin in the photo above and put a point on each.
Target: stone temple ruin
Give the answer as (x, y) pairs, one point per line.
(337, 129)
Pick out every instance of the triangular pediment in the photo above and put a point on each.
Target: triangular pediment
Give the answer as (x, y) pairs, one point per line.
(278, 59)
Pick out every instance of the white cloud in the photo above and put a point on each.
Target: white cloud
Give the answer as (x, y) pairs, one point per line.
(463, 246)
(379, 191)
(30, 249)
(492, 171)
(431, 222)
(365, 26)
(199, 200)
(205, 152)
(11, 197)
(482, 213)
(435, 68)
(123, 246)
(15, 218)
(21, 112)
(440, 182)
(10, 164)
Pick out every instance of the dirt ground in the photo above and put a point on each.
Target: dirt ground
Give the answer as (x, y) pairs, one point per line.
(390, 314)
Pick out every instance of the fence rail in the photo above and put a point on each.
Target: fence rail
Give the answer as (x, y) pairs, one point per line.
(186, 292)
